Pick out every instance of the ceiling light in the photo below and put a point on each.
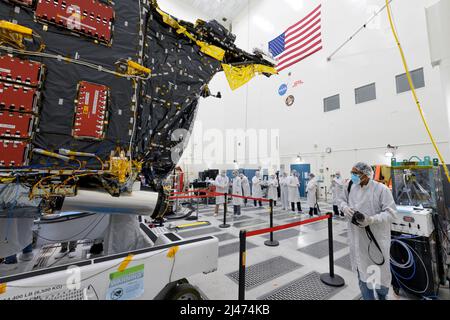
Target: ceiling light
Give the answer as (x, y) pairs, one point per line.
(295, 4)
(263, 24)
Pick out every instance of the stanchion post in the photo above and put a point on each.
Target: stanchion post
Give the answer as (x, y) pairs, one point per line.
(331, 279)
(242, 262)
(225, 205)
(271, 242)
(191, 218)
(198, 200)
(225, 225)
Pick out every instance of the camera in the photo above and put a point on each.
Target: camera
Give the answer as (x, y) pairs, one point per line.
(357, 218)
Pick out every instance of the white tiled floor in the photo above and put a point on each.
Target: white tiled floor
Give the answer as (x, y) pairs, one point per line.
(218, 286)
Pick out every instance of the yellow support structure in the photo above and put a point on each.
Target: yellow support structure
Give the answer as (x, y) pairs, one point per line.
(212, 51)
(134, 68)
(238, 76)
(12, 27)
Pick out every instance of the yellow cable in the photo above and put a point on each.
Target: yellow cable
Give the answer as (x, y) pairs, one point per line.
(78, 161)
(39, 183)
(76, 176)
(7, 180)
(413, 90)
(102, 163)
(16, 28)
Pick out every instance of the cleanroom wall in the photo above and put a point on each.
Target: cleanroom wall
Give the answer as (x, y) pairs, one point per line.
(355, 131)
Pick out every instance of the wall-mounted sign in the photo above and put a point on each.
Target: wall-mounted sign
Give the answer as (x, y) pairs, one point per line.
(297, 83)
(283, 89)
(290, 100)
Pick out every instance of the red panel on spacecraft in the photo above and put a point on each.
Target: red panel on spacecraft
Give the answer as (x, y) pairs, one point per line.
(91, 111)
(17, 98)
(27, 3)
(25, 72)
(15, 124)
(88, 17)
(13, 153)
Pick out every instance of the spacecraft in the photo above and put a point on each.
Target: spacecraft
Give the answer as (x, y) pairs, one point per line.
(91, 95)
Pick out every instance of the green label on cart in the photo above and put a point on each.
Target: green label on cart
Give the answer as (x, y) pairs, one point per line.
(126, 285)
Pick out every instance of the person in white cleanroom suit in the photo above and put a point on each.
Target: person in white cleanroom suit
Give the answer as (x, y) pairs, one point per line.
(222, 183)
(124, 234)
(245, 187)
(256, 188)
(293, 192)
(237, 190)
(272, 193)
(337, 185)
(15, 235)
(311, 196)
(284, 191)
(374, 202)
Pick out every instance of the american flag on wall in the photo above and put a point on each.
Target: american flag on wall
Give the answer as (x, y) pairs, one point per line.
(299, 41)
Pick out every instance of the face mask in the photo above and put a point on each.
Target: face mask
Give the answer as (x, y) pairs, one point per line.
(356, 179)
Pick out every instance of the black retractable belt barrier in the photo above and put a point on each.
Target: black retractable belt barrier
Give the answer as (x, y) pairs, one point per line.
(224, 225)
(192, 218)
(331, 279)
(242, 262)
(198, 200)
(271, 242)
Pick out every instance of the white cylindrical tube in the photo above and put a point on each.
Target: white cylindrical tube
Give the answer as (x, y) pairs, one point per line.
(143, 203)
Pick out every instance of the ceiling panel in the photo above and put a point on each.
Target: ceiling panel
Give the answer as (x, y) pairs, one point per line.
(218, 9)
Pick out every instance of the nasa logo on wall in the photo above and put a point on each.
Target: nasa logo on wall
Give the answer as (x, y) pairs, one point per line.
(290, 100)
(283, 89)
